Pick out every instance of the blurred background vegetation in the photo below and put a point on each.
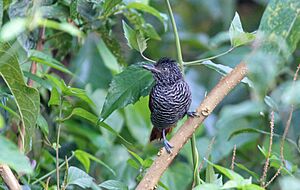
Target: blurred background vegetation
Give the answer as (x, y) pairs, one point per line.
(79, 47)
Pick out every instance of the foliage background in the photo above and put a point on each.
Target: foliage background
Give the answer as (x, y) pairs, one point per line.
(84, 49)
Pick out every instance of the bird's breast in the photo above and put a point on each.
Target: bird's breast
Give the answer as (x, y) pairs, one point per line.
(168, 104)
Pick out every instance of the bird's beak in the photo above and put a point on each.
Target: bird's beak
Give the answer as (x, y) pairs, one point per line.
(150, 67)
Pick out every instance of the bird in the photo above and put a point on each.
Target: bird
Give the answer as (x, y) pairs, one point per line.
(170, 98)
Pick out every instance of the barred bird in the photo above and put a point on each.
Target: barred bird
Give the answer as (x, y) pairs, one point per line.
(170, 99)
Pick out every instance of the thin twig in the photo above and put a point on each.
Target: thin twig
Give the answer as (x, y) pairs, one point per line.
(288, 123)
(198, 62)
(233, 158)
(266, 166)
(273, 178)
(217, 94)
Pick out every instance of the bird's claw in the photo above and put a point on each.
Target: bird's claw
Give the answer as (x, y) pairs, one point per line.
(168, 146)
(193, 114)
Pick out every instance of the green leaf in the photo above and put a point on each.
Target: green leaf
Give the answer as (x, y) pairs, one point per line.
(109, 5)
(133, 163)
(85, 158)
(142, 43)
(126, 88)
(281, 18)
(12, 29)
(1, 13)
(69, 91)
(227, 172)
(42, 123)
(96, 72)
(252, 187)
(54, 98)
(210, 176)
(131, 36)
(207, 187)
(271, 103)
(78, 177)
(66, 27)
(26, 98)
(45, 59)
(255, 175)
(138, 120)
(236, 33)
(11, 156)
(2, 123)
(46, 84)
(147, 8)
(113, 185)
(137, 157)
(151, 32)
(94, 119)
(277, 38)
(109, 59)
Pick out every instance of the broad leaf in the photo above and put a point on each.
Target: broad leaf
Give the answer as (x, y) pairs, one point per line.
(12, 29)
(147, 8)
(42, 123)
(69, 91)
(27, 99)
(131, 36)
(109, 5)
(85, 158)
(45, 59)
(126, 88)
(277, 38)
(113, 185)
(281, 18)
(78, 177)
(11, 156)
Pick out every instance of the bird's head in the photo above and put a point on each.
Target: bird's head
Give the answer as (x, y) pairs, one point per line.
(165, 71)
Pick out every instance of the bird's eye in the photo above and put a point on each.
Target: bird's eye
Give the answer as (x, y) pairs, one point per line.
(165, 69)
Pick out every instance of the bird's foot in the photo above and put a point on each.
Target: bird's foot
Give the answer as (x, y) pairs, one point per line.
(168, 146)
(193, 114)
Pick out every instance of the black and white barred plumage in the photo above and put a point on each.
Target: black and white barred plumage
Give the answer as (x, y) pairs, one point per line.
(170, 97)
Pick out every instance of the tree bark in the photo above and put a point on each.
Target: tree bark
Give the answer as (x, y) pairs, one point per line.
(9, 178)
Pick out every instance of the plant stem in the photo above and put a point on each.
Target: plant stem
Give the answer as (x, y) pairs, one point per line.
(57, 144)
(195, 160)
(208, 58)
(176, 36)
(53, 171)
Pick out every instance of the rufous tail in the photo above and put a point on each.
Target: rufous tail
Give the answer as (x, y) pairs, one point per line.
(157, 133)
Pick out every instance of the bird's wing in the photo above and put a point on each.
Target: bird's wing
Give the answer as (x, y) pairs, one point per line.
(151, 101)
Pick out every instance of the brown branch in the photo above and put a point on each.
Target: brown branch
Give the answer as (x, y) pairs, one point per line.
(188, 128)
(9, 178)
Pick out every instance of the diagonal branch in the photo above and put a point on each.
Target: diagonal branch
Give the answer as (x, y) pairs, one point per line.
(185, 132)
(9, 178)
